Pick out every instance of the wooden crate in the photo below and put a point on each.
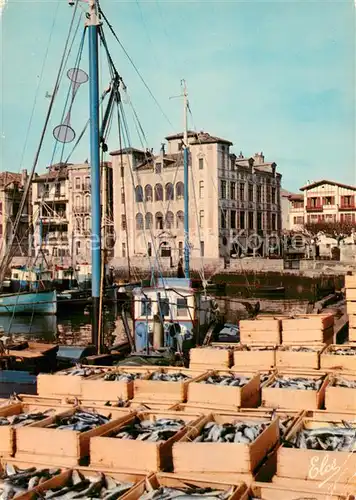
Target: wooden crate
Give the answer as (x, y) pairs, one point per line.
(317, 465)
(329, 360)
(269, 491)
(350, 281)
(8, 433)
(329, 486)
(212, 357)
(106, 390)
(223, 458)
(297, 399)
(352, 334)
(329, 416)
(152, 390)
(352, 320)
(340, 398)
(262, 330)
(254, 356)
(351, 307)
(48, 400)
(287, 358)
(112, 453)
(154, 482)
(63, 385)
(308, 329)
(61, 447)
(225, 396)
(350, 294)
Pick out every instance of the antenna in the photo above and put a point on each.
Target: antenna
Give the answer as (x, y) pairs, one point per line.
(64, 132)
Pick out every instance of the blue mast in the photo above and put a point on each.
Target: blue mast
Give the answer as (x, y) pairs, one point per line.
(93, 23)
(186, 182)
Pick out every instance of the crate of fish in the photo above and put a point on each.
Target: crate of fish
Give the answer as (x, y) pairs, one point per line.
(329, 415)
(16, 416)
(23, 483)
(218, 357)
(352, 334)
(330, 488)
(340, 393)
(66, 382)
(84, 484)
(313, 447)
(299, 356)
(295, 391)
(339, 357)
(262, 330)
(225, 445)
(262, 357)
(46, 400)
(64, 438)
(141, 442)
(165, 384)
(225, 390)
(112, 385)
(267, 491)
(170, 486)
(308, 329)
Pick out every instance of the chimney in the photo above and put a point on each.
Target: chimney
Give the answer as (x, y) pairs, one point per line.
(23, 177)
(163, 150)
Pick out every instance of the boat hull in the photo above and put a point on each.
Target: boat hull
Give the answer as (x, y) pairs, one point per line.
(41, 302)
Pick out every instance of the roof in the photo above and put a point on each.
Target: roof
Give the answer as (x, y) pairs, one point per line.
(126, 151)
(56, 172)
(7, 178)
(200, 138)
(296, 197)
(324, 181)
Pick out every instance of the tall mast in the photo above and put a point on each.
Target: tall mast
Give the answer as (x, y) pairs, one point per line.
(93, 23)
(186, 180)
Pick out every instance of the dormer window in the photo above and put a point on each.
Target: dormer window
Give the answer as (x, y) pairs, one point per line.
(158, 168)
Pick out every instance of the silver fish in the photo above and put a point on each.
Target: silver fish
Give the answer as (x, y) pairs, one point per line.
(23, 419)
(339, 382)
(15, 481)
(292, 348)
(331, 438)
(152, 431)
(350, 351)
(123, 377)
(301, 383)
(257, 348)
(168, 377)
(80, 371)
(189, 492)
(80, 420)
(229, 380)
(238, 432)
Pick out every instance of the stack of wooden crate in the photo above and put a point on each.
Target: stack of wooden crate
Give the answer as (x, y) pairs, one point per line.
(262, 330)
(308, 329)
(350, 287)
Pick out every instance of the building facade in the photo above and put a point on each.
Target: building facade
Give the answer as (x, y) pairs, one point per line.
(230, 197)
(11, 192)
(61, 207)
(323, 201)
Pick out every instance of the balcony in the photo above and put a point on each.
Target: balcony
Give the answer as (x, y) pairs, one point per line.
(318, 208)
(350, 208)
(86, 186)
(82, 210)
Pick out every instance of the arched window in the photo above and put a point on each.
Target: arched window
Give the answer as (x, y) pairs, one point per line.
(169, 191)
(158, 192)
(179, 190)
(159, 220)
(139, 222)
(148, 193)
(78, 201)
(87, 224)
(139, 194)
(148, 220)
(87, 202)
(180, 219)
(78, 224)
(169, 220)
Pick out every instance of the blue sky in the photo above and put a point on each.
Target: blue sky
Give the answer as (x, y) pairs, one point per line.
(277, 77)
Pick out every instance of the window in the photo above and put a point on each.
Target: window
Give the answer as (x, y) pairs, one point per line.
(274, 222)
(0, 207)
(233, 219)
(45, 190)
(201, 189)
(139, 194)
(158, 168)
(180, 219)
(169, 220)
(259, 194)
(159, 220)
(148, 193)
(242, 192)
(223, 158)
(169, 192)
(346, 201)
(233, 190)
(77, 183)
(123, 222)
(148, 220)
(202, 249)
(328, 200)
(122, 172)
(122, 196)
(139, 222)
(149, 249)
(158, 192)
(163, 305)
(223, 214)
(182, 307)
(180, 249)
(201, 218)
(250, 220)
(87, 183)
(77, 251)
(123, 247)
(78, 201)
(87, 202)
(274, 195)
(242, 220)
(223, 189)
(259, 221)
(146, 306)
(179, 191)
(201, 163)
(250, 192)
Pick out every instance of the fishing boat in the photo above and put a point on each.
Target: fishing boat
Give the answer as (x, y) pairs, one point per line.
(28, 303)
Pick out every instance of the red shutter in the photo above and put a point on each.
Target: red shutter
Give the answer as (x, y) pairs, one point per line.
(352, 200)
(353, 218)
(342, 200)
(341, 217)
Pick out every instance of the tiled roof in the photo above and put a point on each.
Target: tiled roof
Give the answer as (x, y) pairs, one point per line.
(324, 181)
(126, 151)
(7, 178)
(200, 138)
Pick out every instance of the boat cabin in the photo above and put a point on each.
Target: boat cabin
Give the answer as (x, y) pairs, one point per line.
(182, 307)
(25, 278)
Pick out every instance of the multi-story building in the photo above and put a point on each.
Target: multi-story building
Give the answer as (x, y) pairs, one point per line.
(229, 197)
(11, 191)
(323, 201)
(62, 212)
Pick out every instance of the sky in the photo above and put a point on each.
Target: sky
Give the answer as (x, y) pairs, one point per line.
(271, 76)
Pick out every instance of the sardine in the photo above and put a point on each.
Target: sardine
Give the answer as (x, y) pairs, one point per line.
(229, 380)
(293, 348)
(301, 383)
(331, 438)
(168, 377)
(339, 382)
(121, 377)
(350, 351)
(238, 432)
(189, 492)
(15, 481)
(23, 419)
(80, 371)
(257, 348)
(153, 431)
(81, 421)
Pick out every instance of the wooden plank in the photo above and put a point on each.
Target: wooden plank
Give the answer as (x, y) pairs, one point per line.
(330, 360)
